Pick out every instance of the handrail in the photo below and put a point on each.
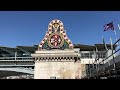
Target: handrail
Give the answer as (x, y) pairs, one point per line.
(15, 58)
(116, 42)
(108, 49)
(110, 55)
(100, 62)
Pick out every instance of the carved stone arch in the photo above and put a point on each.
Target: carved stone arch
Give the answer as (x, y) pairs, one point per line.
(55, 27)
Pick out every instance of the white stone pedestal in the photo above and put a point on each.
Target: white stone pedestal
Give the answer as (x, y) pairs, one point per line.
(57, 64)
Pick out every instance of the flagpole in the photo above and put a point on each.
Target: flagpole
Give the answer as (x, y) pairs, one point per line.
(119, 30)
(89, 69)
(116, 36)
(113, 56)
(111, 26)
(92, 66)
(118, 26)
(104, 43)
(96, 58)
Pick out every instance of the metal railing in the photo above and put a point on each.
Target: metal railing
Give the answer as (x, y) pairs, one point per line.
(106, 67)
(16, 62)
(16, 58)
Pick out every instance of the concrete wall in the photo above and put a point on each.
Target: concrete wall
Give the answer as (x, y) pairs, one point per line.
(60, 70)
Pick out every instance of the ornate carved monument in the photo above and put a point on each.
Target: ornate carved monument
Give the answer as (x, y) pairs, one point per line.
(55, 57)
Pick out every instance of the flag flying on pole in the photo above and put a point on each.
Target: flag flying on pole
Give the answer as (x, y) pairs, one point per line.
(104, 43)
(109, 26)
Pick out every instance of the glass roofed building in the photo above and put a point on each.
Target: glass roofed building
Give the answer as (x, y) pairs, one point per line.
(87, 53)
(72, 60)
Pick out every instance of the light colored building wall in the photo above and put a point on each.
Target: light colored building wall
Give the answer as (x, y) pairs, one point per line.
(60, 70)
(62, 64)
(67, 69)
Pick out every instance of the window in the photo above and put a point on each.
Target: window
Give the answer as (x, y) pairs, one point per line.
(86, 55)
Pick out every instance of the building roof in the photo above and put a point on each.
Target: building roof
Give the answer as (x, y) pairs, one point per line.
(8, 51)
(27, 49)
(91, 47)
(84, 47)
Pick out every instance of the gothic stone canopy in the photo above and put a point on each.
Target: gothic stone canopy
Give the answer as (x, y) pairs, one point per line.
(55, 37)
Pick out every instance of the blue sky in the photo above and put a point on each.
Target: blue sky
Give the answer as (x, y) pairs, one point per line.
(27, 28)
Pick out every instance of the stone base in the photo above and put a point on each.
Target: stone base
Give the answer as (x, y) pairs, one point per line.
(58, 70)
(59, 64)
